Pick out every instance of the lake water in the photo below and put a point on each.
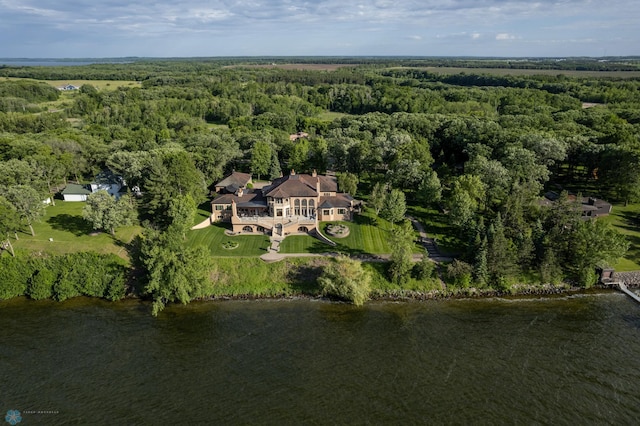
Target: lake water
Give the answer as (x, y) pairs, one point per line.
(569, 360)
(18, 62)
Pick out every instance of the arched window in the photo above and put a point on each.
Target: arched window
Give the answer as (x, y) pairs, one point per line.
(304, 207)
(296, 205)
(247, 229)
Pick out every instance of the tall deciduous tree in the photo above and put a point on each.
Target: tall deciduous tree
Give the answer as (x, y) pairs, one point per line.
(595, 243)
(377, 197)
(430, 189)
(261, 155)
(348, 182)
(182, 211)
(104, 212)
(27, 202)
(9, 222)
(51, 170)
(174, 272)
(395, 206)
(345, 278)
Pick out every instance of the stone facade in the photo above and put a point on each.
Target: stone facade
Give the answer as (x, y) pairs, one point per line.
(290, 204)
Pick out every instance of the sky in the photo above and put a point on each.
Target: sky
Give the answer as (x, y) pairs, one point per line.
(185, 28)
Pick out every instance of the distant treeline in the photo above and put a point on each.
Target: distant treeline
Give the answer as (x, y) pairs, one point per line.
(140, 69)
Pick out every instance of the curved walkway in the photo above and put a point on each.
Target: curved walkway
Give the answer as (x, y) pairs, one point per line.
(203, 224)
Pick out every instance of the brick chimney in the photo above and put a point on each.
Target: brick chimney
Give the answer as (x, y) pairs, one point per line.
(293, 172)
(234, 208)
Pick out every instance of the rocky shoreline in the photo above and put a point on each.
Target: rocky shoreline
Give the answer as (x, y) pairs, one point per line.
(436, 295)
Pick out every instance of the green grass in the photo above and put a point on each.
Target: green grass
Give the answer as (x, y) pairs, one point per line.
(331, 115)
(436, 226)
(626, 219)
(235, 277)
(213, 238)
(71, 233)
(367, 235)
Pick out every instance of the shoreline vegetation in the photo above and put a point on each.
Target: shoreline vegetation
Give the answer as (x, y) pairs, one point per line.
(103, 276)
(505, 163)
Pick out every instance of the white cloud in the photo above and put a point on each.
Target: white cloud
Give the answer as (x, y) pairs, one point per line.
(505, 36)
(265, 25)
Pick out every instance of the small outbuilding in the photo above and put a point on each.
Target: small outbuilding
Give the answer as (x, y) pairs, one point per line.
(75, 192)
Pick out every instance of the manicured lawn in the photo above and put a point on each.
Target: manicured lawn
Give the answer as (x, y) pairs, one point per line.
(627, 221)
(71, 233)
(367, 235)
(213, 238)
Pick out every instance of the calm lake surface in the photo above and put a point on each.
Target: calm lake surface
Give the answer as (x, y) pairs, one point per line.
(570, 360)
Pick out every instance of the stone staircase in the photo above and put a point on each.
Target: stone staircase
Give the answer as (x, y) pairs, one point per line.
(430, 246)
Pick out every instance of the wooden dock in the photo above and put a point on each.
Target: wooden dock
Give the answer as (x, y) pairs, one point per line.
(623, 288)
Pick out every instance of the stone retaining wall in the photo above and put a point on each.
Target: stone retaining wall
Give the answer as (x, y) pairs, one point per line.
(631, 278)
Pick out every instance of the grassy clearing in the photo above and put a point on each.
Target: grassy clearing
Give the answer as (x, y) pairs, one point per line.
(295, 276)
(330, 115)
(436, 226)
(367, 235)
(71, 233)
(253, 277)
(98, 84)
(627, 221)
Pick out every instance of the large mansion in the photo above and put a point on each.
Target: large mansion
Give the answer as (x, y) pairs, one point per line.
(290, 204)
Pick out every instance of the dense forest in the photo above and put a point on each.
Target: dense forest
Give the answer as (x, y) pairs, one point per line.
(477, 148)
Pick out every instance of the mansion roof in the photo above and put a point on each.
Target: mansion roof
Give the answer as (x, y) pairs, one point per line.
(234, 181)
(293, 185)
(340, 200)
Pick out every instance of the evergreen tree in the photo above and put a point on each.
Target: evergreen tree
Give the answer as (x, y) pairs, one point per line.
(480, 266)
(275, 171)
(500, 253)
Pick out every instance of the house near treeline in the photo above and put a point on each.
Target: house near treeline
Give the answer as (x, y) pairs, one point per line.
(590, 207)
(105, 180)
(294, 203)
(233, 182)
(300, 135)
(68, 87)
